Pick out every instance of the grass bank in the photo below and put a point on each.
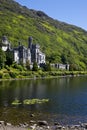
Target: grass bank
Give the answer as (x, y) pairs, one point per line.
(11, 73)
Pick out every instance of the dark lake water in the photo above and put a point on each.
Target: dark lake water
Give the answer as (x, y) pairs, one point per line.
(67, 100)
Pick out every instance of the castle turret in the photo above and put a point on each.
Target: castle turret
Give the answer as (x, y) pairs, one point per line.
(4, 40)
(5, 43)
(30, 40)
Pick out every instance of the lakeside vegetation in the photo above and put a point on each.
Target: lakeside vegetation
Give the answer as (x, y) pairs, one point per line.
(22, 73)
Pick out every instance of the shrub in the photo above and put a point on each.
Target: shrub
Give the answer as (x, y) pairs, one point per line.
(1, 75)
(47, 67)
(16, 66)
(7, 67)
(19, 67)
(35, 67)
(12, 74)
(6, 76)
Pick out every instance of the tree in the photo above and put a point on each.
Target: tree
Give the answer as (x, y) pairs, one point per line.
(73, 67)
(9, 58)
(47, 67)
(35, 66)
(2, 58)
(28, 65)
(64, 58)
(51, 58)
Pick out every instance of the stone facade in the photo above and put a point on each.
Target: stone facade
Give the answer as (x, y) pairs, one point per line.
(22, 54)
(36, 55)
(60, 66)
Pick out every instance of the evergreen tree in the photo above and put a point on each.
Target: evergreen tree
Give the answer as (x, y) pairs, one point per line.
(28, 65)
(2, 58)
(47, 67)
(9, 58)
(35, 66)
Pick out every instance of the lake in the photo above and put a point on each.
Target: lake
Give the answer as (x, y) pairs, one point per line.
(67, 100)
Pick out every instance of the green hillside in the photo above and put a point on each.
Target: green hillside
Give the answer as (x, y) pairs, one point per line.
(60, 41)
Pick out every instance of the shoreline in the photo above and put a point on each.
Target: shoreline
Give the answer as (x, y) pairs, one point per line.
(42, 125)
(45, 77)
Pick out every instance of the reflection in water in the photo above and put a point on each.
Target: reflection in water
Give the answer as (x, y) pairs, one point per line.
(67, 97)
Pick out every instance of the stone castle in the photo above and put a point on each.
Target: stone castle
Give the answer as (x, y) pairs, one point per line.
(32, 53)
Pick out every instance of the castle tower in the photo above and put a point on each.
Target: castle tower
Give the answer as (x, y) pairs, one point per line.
(30, 40)
(5, 43)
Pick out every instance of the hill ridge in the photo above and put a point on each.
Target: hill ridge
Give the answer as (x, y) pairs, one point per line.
(60, 41)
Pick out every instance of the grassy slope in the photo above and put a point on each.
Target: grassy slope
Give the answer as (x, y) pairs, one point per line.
(60, 41)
